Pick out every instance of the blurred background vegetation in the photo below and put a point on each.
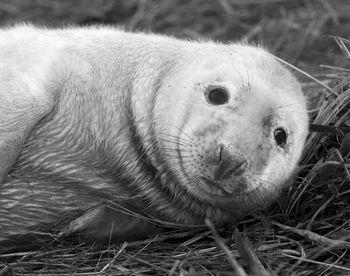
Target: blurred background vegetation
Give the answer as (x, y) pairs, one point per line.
(299, 31)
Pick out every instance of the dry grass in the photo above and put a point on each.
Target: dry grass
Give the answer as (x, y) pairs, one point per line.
(308, 231)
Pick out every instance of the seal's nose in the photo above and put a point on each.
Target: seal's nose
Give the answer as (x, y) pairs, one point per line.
(227, 165)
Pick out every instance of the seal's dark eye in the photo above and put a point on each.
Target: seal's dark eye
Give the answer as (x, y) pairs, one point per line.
(217, 96)
(280, 137)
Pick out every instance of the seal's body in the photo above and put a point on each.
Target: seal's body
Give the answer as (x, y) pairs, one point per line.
(99, 127)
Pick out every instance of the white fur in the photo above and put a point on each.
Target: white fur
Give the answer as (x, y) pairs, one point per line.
(91, 73)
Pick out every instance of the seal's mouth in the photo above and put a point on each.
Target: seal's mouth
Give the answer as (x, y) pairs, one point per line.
(226, 188)
(214, 187)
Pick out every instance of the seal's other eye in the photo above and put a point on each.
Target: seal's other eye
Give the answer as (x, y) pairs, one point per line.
(217, 96)
(280, 137)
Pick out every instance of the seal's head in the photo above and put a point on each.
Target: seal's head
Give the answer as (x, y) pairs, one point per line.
(233, 124)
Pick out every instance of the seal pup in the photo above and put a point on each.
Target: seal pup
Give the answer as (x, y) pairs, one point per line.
(99, 127)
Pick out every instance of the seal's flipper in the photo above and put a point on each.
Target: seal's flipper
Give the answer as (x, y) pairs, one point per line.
(105, 222)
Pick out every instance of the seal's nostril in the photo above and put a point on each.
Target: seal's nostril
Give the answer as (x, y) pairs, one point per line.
(227, 164)
(229, 169)
(239, 168)
(220, 153)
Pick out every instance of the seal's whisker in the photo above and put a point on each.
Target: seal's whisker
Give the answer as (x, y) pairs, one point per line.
(188, 125)
(184, 159)
(254, 173)
(287, 105)
(175, 153)
(262, 191)
(179, 142)
(290, 108)
(198, 144)
(286, 111)
(170, 149)
(182, 131)
(263, 181)
(175, 142)
(177, 138)
(265, 188)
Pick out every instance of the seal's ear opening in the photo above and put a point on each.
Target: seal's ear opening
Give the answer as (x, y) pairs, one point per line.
(108, 224)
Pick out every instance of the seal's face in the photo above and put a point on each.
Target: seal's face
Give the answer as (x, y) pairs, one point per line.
(233, 126)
